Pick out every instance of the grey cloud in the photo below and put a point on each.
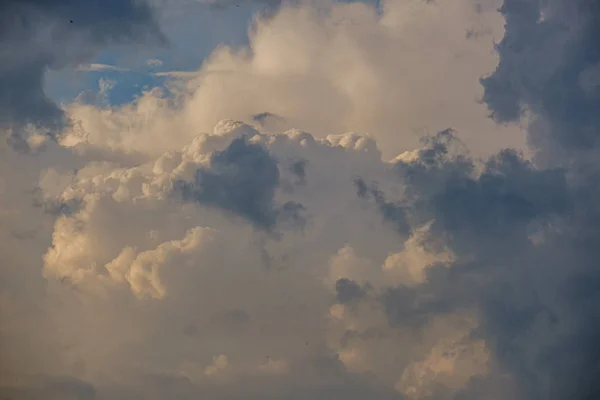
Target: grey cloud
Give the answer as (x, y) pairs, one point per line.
(368, 334)
(233, 320)
(332, 382)
(294, 175)
(50, 388)
(242, 179)
(298, 168)
(37, 35)
(392, 212)
(292, 214)
(55, 206)
(547, 57)
(439, 161)
(508, 194)
(228, 322)
(538, 301)
(347, 290)
(509, 190)
(346, 387)
(263, 117)
(548, 60)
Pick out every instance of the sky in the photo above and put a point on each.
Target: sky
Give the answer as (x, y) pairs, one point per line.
(307, 200)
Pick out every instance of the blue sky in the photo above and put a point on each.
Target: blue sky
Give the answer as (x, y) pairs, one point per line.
(193, 31)
(193, 34)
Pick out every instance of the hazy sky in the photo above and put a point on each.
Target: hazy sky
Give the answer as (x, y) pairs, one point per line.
(310, 200)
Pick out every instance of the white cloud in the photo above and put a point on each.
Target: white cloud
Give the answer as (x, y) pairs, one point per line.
(177, 74)
(409, 266)
(154, 62)
(94, 67)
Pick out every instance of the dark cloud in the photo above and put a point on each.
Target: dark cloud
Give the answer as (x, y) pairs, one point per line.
(263, 117)
(392, 212)
(525, 235)
(550, 64)
(298, 168)
(37, 35)
(525, 240)
(242, 179)
(55, 206)
(509, 194)
(292, 214)
(348, 290)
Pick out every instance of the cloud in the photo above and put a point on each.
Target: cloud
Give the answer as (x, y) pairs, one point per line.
(241, 179)
(180, 254)
(99, 67)
(154, 63)
(41, 35)
(177, 74)
(345, 70)
(547, 62)
(40, 387)
(347, 290)
(261, 118)
(560, 93)
(168, 252)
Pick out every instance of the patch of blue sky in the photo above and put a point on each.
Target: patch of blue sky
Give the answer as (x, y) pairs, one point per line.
(193, 34)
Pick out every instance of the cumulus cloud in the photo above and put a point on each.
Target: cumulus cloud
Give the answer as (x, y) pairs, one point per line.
(170, 253)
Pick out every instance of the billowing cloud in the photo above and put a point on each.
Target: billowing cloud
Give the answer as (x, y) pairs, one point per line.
(171, 252)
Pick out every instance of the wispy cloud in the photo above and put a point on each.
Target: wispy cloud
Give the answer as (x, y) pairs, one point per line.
(177, 74)
(99, 68)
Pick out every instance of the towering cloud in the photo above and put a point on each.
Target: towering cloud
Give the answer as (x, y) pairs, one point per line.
(170, 253)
